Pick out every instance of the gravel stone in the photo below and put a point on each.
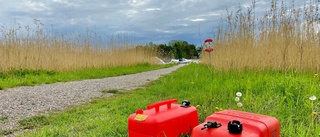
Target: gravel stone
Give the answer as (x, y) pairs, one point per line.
(26, 101)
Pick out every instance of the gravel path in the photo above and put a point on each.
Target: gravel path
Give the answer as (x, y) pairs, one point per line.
(21, 102)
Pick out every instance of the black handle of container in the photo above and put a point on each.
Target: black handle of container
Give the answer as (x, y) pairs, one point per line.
(211, 124)
(158, 104)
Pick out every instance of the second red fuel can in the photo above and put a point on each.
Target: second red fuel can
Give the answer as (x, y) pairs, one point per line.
(233, 123)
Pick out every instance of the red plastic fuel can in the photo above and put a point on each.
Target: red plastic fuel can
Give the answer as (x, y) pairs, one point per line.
(233, 123)
(163, 119)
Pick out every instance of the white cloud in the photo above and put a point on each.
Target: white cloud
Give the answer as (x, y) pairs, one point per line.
(137, 3)
(185, 25)
(61, 1)
(151, 20)
(131, 13)
(198, 19)
(152, 9)
(164, 31)
(36, 6)
(209, 14)
(194, 19)
(65, 2)
(72, 21)
(124, 32)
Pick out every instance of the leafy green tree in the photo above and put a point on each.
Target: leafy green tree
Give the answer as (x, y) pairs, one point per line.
(175, 48)
(191, 51)
(182, 49)
(164, 51)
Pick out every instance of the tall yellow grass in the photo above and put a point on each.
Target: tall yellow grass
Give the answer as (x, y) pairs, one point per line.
(35, 50)
(285, 38)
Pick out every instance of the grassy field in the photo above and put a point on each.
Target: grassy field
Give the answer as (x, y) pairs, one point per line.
(272, 60)
(30, 78)
(35, 48)
(35, 77)
(281, 95)
(285, 37)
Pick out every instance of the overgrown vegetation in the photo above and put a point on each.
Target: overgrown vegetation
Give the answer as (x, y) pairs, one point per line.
(34, 77)
(6, 132)
(34, 122)
(36, 48)
(3, 118)
(176, 49)
(273, 93)
(260, 58)
(286, 37)
(113, 91)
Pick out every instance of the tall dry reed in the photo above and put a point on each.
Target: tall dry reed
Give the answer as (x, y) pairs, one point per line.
(286, 37)
(37, 49)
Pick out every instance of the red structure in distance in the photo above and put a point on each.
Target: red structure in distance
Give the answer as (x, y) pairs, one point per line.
(208, 40)
(208, 49)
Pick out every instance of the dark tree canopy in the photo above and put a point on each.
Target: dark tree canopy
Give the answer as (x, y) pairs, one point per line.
(178, 49)
(175, 49)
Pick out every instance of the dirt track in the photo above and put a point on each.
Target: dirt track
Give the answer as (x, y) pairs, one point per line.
(21, 102)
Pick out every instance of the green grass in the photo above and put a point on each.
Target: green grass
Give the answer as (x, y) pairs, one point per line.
(34, 77)
(6, 132)
(34, 122)
(113, 91)
(3, 118)
(281, 95)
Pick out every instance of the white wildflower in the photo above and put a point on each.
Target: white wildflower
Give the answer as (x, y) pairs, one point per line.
(239, 94)
(237, 99)
(312, 98)
(239, 105)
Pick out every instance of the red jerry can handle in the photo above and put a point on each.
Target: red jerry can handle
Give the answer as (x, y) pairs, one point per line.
(158, 104)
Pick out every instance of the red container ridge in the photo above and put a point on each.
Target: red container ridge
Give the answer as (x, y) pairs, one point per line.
(232, 123)
(163, 119)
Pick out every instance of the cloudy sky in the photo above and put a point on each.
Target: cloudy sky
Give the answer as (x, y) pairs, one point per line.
(157, 21)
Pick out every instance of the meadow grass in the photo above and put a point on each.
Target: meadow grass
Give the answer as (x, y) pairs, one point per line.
(35, 77)
(113, 91)
(34, 47)
(274, 93)
(285, 37)
(273, 61)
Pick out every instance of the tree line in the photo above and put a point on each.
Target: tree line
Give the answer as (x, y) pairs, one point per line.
(176, 49)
